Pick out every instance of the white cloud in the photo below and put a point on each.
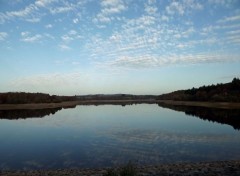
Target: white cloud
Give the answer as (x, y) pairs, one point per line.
(183, 7)
(33, 20)
(30, 39)
(234, 32)
(102, 18)
(33, 12)
(3, 36)
(164, 18)
(187, 32)
(213, 28)
(175, 7)
(44, 3)
(22, 13)
(24, 34)
(75, 20)
(57, 10)
(28, 14)
(64, 47)
(150, 61)
(224, 3)
(151, 8)
(145, 36)
(75, 63)
(66, 38)
(48, 26)
(48, 36)
(134, 62)
(230, 19)
(111, 3)
(109, 8)
(70, 36)
(234, 39)
(72, 32)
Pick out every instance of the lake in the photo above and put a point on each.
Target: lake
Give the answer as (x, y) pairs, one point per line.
(111, 135)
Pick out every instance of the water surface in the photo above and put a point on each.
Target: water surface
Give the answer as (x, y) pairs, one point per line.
(110, 135)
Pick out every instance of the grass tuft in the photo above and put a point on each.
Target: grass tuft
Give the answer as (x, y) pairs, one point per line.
(127, 170)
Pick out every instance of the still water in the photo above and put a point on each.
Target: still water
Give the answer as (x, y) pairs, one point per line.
(111, 135)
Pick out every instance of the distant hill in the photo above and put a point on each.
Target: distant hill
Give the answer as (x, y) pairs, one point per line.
(116, 97)
(228, 92)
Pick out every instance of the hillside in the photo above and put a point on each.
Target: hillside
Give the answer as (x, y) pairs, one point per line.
(228, 92)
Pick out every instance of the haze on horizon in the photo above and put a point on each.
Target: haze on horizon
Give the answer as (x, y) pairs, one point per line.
(117, 46)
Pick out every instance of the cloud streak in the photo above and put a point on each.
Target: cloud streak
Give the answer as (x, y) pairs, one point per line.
(149, 61)
(27, 37)
(3, 36)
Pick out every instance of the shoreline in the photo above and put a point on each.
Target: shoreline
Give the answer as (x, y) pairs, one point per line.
(226, 168)
(72, 104)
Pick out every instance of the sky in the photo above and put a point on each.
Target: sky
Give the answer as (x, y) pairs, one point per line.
(79, 47)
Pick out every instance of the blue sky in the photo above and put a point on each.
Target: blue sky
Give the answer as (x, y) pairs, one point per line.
(117, 46)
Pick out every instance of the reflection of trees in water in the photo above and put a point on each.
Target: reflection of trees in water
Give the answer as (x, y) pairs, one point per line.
(26, 113)
(223, 116)
(131, 102)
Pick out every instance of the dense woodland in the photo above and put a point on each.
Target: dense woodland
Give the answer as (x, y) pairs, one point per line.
(22, 98)
(229, 92)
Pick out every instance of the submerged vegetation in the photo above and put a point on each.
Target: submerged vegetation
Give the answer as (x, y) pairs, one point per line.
(229, 92)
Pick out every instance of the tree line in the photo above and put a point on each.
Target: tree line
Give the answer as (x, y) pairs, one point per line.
(229, 92)
(23, 98)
